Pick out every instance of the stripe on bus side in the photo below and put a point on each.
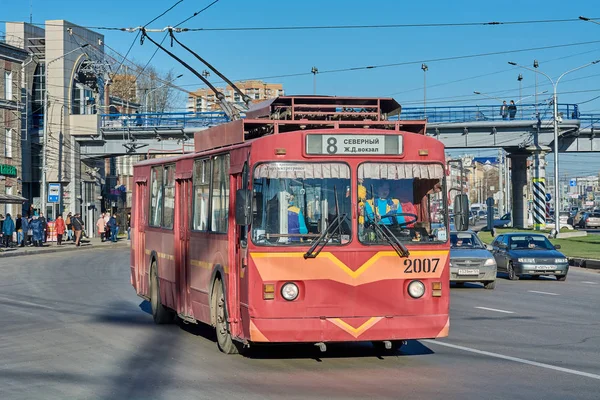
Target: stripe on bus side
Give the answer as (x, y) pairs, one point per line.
(382, 265)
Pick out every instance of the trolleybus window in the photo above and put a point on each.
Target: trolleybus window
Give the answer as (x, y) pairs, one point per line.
(407, 198)
(169, 207)
(201, 194)
(220, 193)
(156, 196)
(295, 202)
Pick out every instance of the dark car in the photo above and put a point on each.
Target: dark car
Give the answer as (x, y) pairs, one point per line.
(503, 222)
(529, 254)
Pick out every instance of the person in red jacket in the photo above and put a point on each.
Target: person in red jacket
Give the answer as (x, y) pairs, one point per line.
(60, 228)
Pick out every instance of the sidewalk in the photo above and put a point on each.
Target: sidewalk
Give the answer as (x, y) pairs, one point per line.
(52, 247)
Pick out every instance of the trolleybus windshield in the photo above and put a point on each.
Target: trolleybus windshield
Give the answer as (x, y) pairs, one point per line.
(295, 202)
(408, 198)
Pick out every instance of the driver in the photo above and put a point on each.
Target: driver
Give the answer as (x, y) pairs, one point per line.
(387, 205)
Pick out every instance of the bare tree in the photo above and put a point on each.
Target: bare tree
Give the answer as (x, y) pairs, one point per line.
(148, 87)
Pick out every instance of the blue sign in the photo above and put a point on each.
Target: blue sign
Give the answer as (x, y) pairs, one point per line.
(548, 197)
(573, 182)
(53, 192)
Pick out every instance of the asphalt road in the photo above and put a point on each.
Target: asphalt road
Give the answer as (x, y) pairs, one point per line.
(71, 327)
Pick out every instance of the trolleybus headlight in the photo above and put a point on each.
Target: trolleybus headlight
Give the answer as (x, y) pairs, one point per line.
(289, 291)
(416, 289)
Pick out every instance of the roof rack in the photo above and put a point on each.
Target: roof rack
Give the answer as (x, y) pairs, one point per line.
(293, 113)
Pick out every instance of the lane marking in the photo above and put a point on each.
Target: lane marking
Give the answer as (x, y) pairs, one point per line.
(515, 359)
(495, 309)
(589, 282)
(536, 291)
(14, 302)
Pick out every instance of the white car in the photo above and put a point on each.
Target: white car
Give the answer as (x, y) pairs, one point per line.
(550, 225)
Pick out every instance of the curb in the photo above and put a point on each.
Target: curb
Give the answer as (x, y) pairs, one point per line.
(584, 263)
(33, 252)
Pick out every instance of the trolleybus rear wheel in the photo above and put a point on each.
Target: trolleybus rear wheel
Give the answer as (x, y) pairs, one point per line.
(160, 313)
(224, 340)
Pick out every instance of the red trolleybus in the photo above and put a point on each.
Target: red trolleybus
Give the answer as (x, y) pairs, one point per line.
(314, 219)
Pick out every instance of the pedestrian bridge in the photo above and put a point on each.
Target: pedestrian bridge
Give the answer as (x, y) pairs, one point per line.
(457, 126)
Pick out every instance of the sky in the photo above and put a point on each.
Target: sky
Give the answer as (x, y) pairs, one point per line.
(244, 54)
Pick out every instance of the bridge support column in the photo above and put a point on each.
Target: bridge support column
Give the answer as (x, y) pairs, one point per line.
(539, 186)
(519, 190)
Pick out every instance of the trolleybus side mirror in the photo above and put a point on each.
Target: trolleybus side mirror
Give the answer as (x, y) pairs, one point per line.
(461, 212)
(243, 207)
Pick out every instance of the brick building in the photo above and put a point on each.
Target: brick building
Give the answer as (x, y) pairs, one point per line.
(12, 60)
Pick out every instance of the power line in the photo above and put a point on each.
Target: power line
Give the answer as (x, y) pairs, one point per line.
(198, 12)
(332, 27)
(166, 11)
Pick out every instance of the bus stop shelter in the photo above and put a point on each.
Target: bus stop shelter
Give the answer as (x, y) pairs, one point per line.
(12, 199)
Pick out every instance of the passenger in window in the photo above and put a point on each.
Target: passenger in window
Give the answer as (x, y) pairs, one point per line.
(296, 222)
(385, 205)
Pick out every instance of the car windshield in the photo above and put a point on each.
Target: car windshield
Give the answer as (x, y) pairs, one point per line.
(295, 202)
(465, 240)
(530, 242)
(405, 198)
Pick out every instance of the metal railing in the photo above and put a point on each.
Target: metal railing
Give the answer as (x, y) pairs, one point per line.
(162, 120)
(488, 113)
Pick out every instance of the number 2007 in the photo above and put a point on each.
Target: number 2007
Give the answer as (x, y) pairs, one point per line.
(419, 265)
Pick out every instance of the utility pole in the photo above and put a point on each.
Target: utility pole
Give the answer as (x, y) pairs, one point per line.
(520, 78)
(314, 71)
(535, 65)
(425, 69)
(500, 181)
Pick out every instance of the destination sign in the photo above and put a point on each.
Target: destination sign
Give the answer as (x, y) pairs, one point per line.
(353, 144)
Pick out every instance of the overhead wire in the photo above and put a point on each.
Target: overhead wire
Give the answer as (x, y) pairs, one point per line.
(329, 27)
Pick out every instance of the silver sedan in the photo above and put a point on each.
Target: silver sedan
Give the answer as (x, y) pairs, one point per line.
(470, 260)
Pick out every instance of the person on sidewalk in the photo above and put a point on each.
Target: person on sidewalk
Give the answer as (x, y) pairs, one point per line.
(101, 225)
(60, 228)
(44, 227)
(78, 227)
(37, 229)
(69, 227)
(19, 228)
(128, 226)
(8, 229)
(25, 228)
(112, 224)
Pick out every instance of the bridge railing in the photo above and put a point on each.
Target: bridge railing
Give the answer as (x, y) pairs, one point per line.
(162, 120)
(589, 121)
(488, 113)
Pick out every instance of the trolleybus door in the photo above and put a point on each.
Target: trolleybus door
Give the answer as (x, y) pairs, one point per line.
(182, 243)
(139, 236)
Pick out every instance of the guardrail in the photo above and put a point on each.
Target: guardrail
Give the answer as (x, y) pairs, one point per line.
(488, 113)
(162, 120)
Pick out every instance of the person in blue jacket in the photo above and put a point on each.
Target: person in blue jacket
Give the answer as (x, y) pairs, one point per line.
(296, 222)
(38, 230)
(8, 228)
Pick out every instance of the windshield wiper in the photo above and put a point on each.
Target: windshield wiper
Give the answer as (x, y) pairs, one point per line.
(385, 233)
(318, 245)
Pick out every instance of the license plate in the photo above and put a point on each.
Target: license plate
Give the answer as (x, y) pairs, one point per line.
(545, 267)
(468, 272)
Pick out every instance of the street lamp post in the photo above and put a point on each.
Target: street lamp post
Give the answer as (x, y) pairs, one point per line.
(45, 139)
(520, 78)
(425, 69)
(160, 87)
(555, 124)
(314, 71)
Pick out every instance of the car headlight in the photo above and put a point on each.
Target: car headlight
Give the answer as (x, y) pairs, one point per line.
(527, 260)
(290, 291)
(416, 289)
(489, 262)
(561, 260)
